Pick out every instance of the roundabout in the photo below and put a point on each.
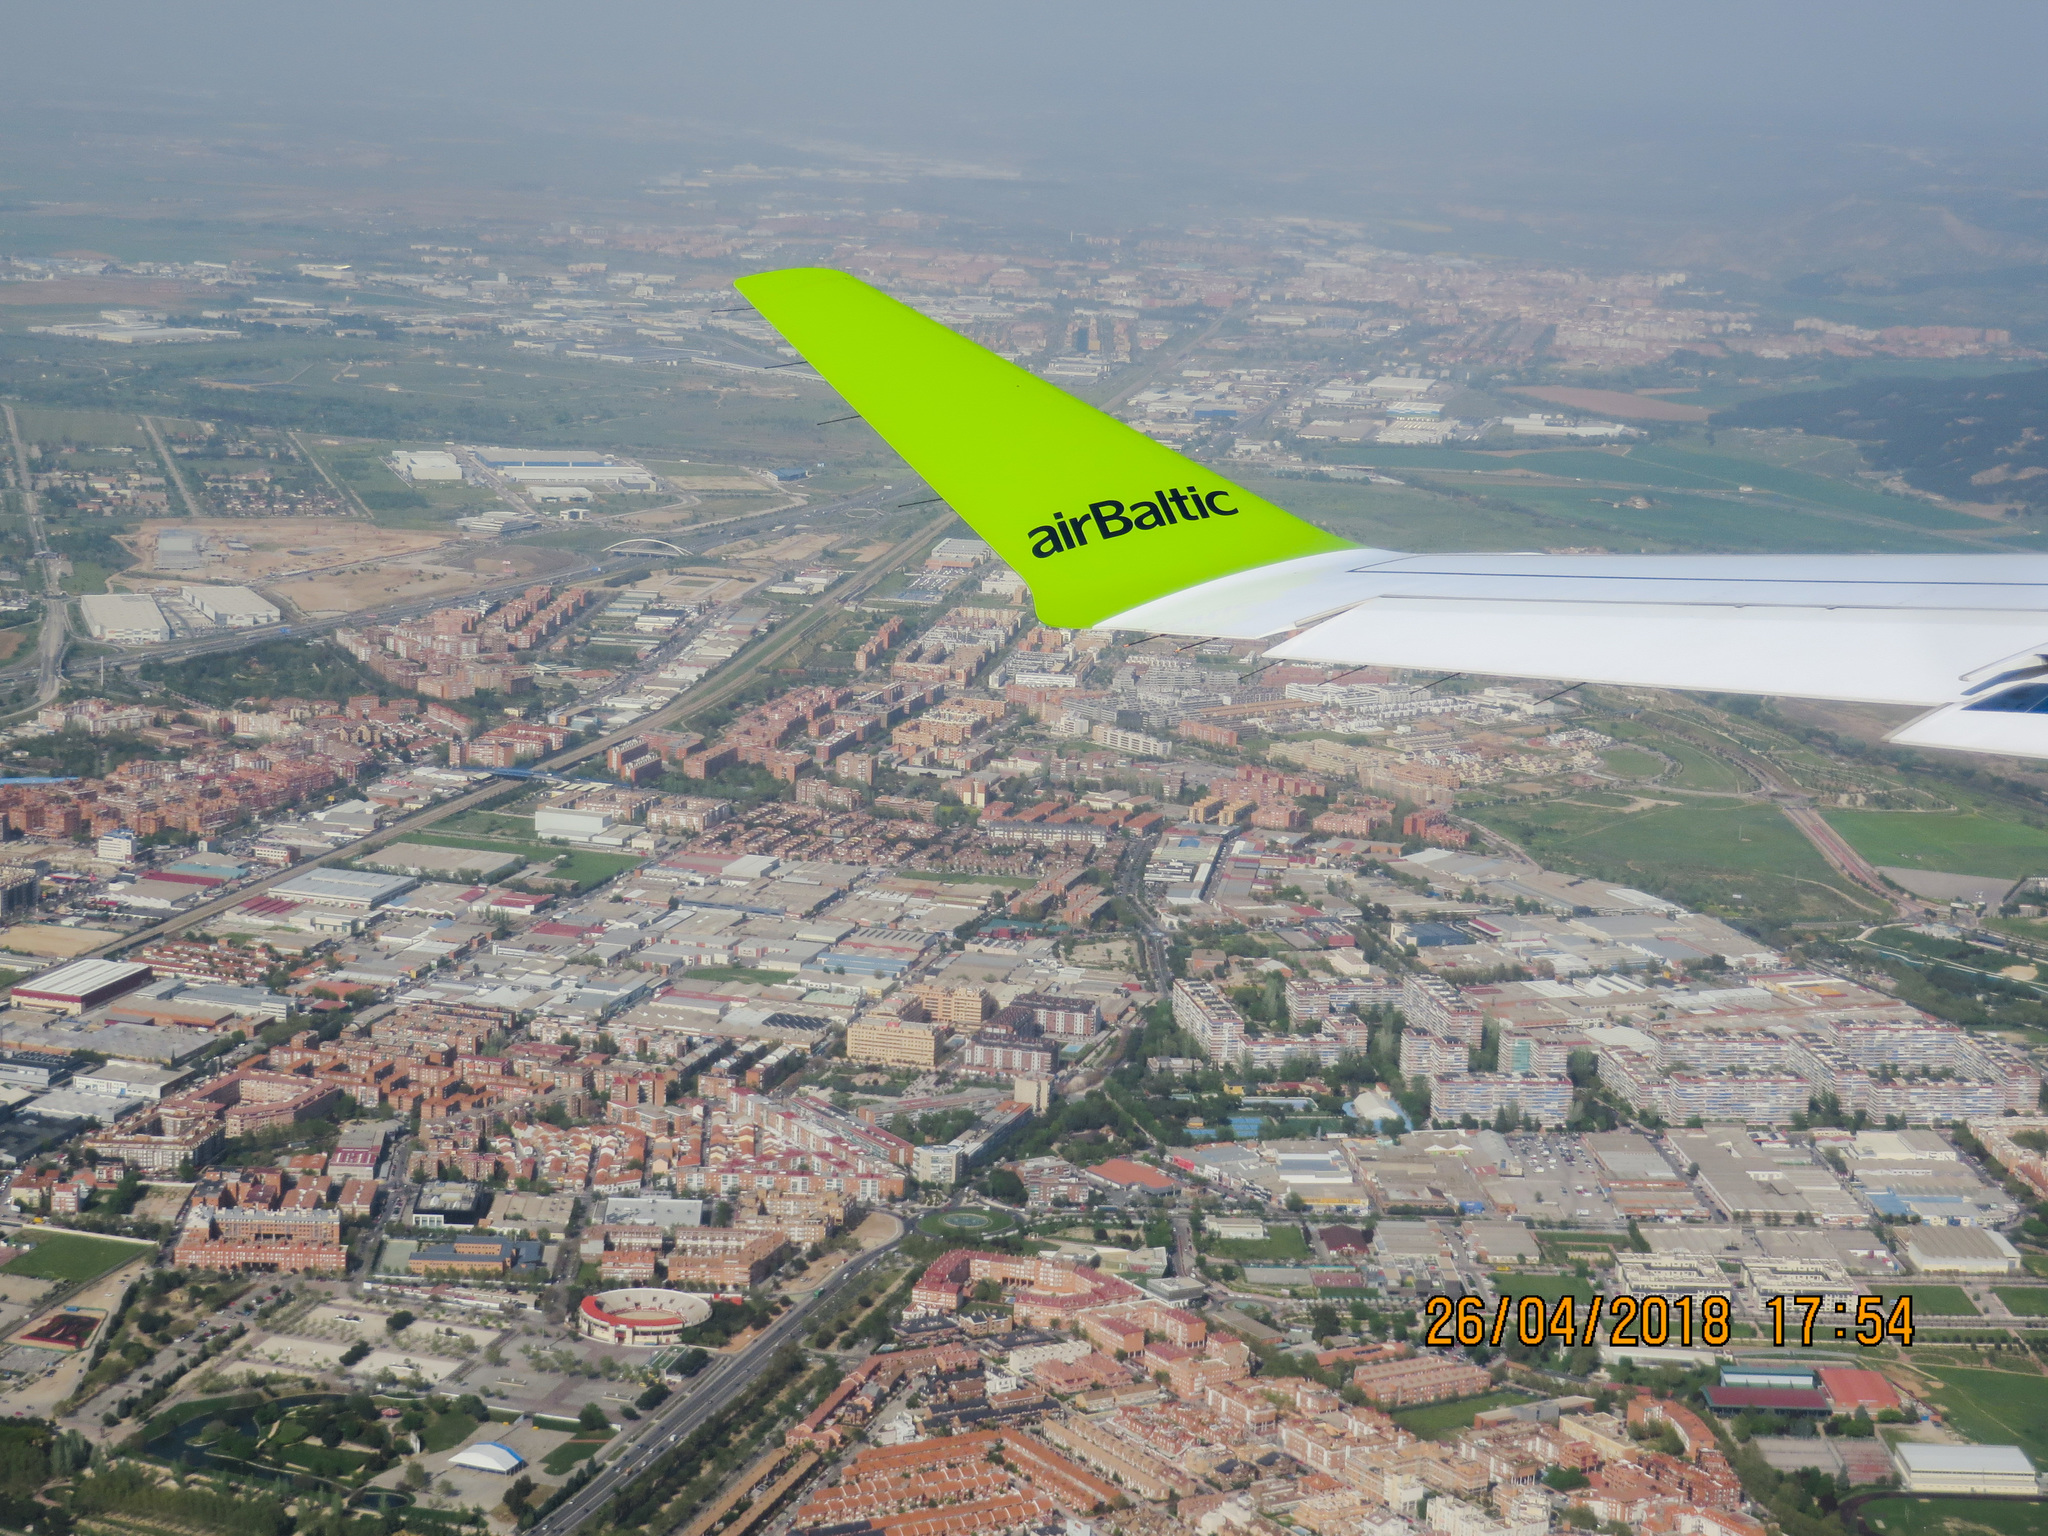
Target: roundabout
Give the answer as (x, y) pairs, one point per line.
(966, 1223)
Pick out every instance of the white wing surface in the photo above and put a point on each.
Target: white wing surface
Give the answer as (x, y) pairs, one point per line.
(1966, 632)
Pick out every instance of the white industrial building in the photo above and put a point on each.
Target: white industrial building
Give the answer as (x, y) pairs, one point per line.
(432, 464)
(232, 607)
(1559, 426)
(129, 1080)
(572, 824)
(1965, 1468)
(349, 889)
(124, 618)
(1936, 1250)
(565, 466)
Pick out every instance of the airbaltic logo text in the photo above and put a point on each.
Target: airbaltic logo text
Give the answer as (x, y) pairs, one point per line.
(1112, 519)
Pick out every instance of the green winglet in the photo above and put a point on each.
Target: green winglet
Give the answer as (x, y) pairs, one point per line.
(1096, 517)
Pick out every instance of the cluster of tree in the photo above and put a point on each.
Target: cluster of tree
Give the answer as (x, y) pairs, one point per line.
(1938, 433)
(79, 755)
(728, 1320)
(273, 669)
(92, 546)
(124, 1488)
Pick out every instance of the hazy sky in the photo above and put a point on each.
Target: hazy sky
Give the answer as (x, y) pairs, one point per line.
(1646, 105)
(1149, 73)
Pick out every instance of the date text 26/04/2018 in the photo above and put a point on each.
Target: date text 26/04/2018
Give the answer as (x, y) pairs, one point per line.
(1656, 1322)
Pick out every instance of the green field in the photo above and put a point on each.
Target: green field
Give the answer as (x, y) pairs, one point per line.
(1724, 472)
(1731, 856)
(1439, 1421)
(1692, 491)
(1994, 1407)
(1959, 842)
(1280, 1243)
(1633, 763)
(1907, 1516)
(590, 869)
(2025, 1300)
(1930, 1300)
(72, 1256)
(47, 424)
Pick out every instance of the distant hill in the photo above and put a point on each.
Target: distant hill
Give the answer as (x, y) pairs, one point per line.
(1983, 439)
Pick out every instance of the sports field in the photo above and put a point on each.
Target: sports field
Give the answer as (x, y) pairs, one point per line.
(1439, 1421)
(72, 1256)
(1994, 1407)
(1907, 1516)
(1550, 1287)
(1280, 1243)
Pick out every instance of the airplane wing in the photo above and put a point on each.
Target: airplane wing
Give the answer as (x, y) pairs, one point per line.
(1113, 530)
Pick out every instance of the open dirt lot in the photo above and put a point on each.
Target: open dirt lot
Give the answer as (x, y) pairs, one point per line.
(163, 1202)
(345, 589)
(52, 942)
(277, 546)
(1613, 402)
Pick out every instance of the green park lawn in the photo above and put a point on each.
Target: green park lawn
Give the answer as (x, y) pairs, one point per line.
(2025, 1300)
(564, 1456)
(1930, 1300)
(445, 1431)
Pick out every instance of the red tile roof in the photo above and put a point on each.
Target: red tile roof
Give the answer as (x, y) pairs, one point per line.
(1121, 1170)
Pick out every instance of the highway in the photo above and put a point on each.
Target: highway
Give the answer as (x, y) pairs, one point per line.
(56, 610)
(1130, 884)
(714, 691)
(707, 1395)
(172, 473)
